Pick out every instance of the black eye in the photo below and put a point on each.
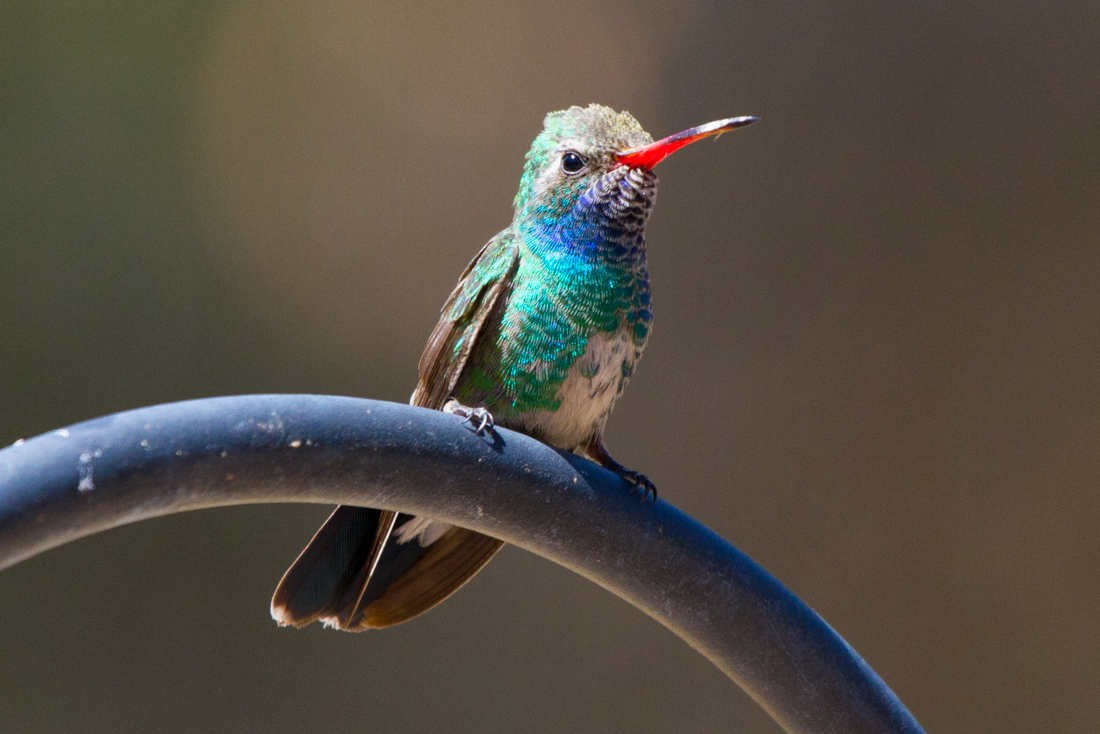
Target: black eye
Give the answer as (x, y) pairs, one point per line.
(572, 163)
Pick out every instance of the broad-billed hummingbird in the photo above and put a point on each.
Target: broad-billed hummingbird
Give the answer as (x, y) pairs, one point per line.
(541, 334)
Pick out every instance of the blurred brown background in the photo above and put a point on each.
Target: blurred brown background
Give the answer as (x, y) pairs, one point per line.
(875, 363)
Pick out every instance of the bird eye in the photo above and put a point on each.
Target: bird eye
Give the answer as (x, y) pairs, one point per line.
(572, 163)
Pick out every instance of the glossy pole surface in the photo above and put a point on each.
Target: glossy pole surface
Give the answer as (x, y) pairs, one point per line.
(304, 448)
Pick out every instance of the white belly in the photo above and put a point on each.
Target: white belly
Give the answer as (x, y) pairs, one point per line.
(588, 393)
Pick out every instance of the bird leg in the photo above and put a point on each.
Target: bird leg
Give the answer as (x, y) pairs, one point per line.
(478, 418)
(641, 482)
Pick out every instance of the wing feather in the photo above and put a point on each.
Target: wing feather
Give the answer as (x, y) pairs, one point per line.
(464, 316)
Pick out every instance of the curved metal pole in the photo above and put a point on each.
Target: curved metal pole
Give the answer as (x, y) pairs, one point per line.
(306, 448)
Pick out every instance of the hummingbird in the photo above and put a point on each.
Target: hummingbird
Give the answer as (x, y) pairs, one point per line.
(541, 335)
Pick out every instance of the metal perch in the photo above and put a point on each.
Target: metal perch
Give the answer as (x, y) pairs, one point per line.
(306, 448)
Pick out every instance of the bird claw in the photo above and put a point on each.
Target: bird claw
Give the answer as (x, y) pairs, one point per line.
(640, 481)
(646, 488)
(479, 418)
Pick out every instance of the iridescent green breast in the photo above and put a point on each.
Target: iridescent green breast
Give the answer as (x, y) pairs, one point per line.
(549, 317)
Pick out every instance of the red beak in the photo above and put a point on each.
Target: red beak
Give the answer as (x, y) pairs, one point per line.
(647, 156)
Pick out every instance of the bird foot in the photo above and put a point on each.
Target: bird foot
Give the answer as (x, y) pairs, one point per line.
(478, 418)
(641, 482)
(646, 488)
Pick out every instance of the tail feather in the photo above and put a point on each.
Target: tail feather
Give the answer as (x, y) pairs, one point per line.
(386, 520)
(343, 580)
(446, 565)
(329, 566)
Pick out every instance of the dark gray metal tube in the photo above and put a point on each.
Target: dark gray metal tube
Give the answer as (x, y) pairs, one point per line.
(305, 448)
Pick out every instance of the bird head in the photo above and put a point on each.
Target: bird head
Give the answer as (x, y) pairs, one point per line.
(592, 167)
